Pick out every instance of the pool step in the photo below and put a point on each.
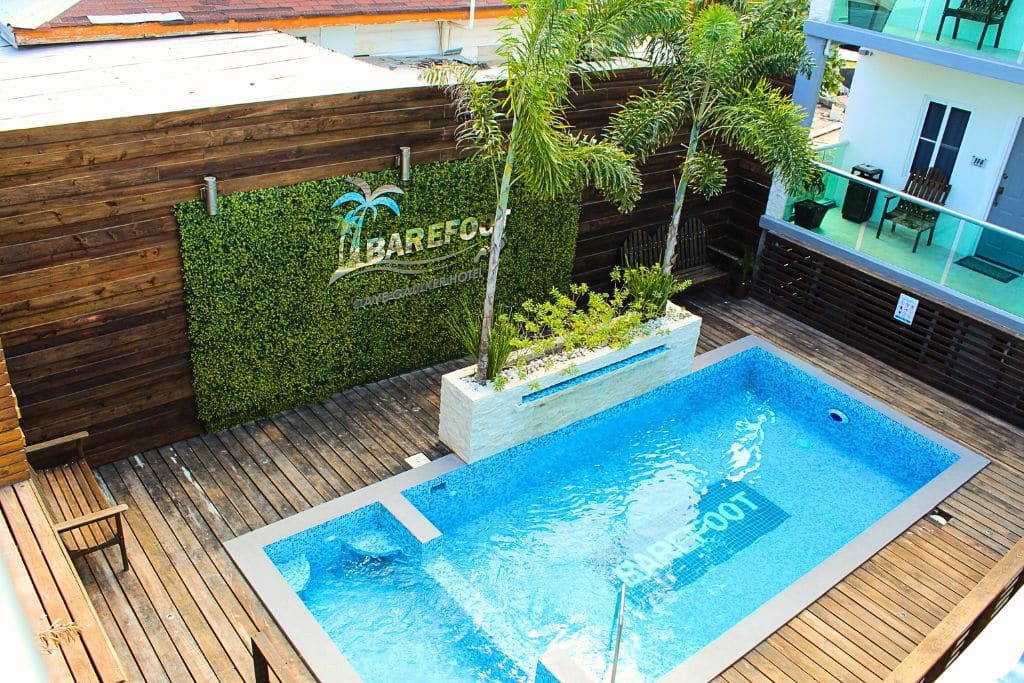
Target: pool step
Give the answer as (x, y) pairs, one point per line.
(490, 620)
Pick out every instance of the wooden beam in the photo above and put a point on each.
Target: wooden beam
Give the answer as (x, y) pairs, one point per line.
(13, 458)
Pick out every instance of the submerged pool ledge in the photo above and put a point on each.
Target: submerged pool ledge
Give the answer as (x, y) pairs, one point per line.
(329, 664)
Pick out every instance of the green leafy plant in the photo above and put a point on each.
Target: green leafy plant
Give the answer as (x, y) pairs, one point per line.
(466, 328)
(649, 288)
(746, 263)
(714, 64)
(550, 49)
(832, 78)
(579, 319)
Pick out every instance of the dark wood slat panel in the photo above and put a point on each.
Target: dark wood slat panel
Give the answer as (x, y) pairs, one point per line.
(963, 356)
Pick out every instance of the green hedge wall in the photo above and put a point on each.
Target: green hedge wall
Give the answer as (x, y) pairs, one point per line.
(269, 334)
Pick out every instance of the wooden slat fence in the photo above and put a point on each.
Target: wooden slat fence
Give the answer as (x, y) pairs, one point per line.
(964, 357)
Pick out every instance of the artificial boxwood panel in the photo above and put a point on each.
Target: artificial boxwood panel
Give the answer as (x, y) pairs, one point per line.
(268, 333)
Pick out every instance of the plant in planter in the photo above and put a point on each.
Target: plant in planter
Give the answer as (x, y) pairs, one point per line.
(741, 279)
(581, 320)
(466, 328)
(714, 65)
(650, 288)
(579, 352)
(550, 50)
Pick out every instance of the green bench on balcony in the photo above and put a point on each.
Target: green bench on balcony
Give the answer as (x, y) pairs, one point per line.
(930, 186)
(987, 12)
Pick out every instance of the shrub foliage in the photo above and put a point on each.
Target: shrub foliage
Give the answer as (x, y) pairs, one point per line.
(268, 333)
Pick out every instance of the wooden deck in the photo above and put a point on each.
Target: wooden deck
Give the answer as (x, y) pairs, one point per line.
(185, 612)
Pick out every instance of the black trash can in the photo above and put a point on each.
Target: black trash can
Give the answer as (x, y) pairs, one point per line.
(808, 213)
(868, 14)
(860, 199)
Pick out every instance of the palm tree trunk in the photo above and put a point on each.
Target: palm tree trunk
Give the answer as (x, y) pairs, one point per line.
(669, 259)
(500, 217)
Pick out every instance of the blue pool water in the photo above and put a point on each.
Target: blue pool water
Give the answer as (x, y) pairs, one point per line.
(707, 497)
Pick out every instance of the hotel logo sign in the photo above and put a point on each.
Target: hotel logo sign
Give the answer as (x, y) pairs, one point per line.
(411, 252)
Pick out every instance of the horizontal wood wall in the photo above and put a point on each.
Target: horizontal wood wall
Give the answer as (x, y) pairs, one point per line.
(13, 463)
(91, 303)
(960, 355)
(731, 218)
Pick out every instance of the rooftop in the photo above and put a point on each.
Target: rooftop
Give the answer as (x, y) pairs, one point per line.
(57, 21)
(57, 84)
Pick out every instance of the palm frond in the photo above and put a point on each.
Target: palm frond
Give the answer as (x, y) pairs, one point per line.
(614, 28)
(766, 123)
(706, 172)
(774, 54)
(477, 107)
(771, 16)
(647, 122)
(608, 168)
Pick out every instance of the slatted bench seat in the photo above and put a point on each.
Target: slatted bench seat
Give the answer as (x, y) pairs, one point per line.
(51, 591)
(79, 510)
(693, 253)
(931, 186)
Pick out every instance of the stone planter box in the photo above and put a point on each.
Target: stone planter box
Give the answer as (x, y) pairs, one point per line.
(477, 422)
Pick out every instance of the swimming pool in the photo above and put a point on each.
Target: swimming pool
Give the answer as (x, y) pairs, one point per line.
(726, 502)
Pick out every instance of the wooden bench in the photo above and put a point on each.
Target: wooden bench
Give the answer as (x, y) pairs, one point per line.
(50, 590)
(931, 186)
(78, 509)
(693, 253)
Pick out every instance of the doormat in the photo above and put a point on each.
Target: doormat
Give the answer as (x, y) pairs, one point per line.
(985, 267)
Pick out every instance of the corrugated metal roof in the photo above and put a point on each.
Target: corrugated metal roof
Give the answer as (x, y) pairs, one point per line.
(48, 85)
(210, 11)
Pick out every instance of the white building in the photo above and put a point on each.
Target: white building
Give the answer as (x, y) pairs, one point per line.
(350, 27)
(920, 100)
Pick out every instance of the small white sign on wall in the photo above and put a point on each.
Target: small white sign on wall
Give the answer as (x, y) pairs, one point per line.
(906, 307)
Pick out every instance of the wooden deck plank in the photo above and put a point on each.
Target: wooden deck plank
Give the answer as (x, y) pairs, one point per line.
(177, 649)
(223, 472)
(254, 474)
(94, 569)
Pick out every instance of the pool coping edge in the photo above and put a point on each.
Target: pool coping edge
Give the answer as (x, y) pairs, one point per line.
(284, 605)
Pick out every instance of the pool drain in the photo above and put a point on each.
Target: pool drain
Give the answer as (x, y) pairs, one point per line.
(838, 416)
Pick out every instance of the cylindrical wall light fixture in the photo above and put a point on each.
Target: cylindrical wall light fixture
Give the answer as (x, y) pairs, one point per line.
(405, 162)
(209, 193)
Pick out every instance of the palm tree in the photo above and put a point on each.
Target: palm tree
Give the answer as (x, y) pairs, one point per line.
(714, 66)
(519, 124)
(369, 199)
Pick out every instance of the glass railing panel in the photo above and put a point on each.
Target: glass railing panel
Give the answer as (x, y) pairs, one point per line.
(965, 255)
(918, 20)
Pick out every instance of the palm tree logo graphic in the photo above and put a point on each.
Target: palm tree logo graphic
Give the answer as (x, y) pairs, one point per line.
(367, 200)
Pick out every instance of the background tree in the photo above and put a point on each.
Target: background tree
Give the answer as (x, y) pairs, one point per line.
(714, 65)
(519, 122)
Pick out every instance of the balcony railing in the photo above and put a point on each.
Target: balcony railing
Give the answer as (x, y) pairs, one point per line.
(973, 257)
(918, 20)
